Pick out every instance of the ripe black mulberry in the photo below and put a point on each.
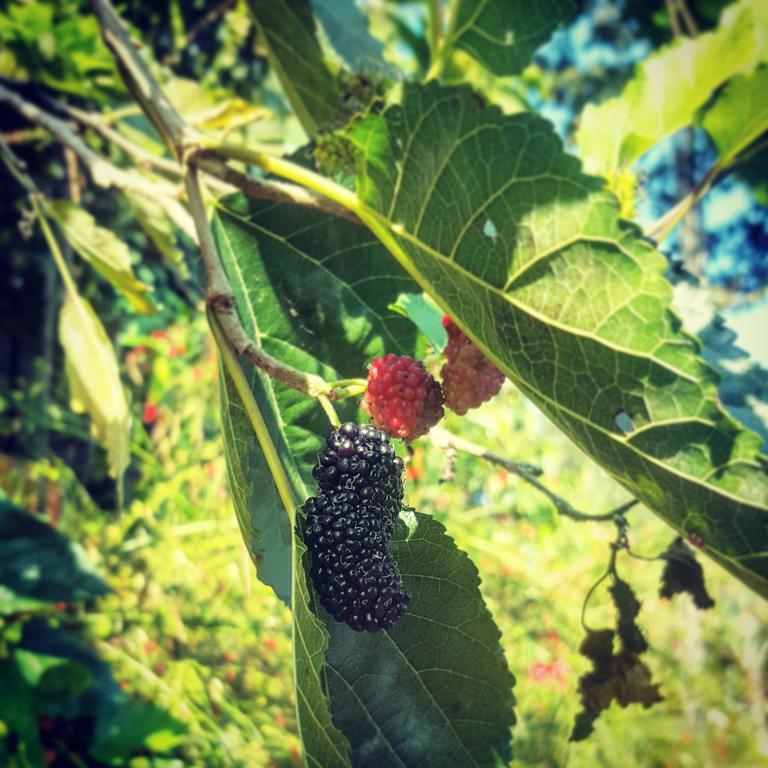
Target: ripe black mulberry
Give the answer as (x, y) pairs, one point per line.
(348, 527)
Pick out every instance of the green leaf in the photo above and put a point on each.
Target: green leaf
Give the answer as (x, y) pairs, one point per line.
(288, 28)
(452, 704)
(94, 380)
(347, 29)
(212, 109)
(17, 711)
(739, 116)
(107, 254)
(53, 677)
(39, 563)
(669, 87)
(313, 288)
(569, 302)
(425, 315)
(121, 726)
(503, 34)
(137, 725)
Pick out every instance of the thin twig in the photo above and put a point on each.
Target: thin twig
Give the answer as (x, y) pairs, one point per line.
(660, 228)
(445, 440)
(690, 23)
(278, 191)
(103, 173)
(17, 168)
(528, 472)
(223, 178)
(141, 156)
(143, 87)
(674, 22)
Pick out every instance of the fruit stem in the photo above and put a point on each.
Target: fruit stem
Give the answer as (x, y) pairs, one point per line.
(330, 412)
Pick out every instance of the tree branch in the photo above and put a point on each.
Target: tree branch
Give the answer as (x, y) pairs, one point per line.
(278, 191)
(103, 173)
(143, 87)
(221, 300)
(141, 156)
(185, 144)
(528, 472)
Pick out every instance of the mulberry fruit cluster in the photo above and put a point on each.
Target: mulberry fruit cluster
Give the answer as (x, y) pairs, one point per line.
(468, 378)
(402, 398)
(349, 525)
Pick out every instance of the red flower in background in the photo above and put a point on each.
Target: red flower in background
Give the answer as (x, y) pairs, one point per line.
(150, 413)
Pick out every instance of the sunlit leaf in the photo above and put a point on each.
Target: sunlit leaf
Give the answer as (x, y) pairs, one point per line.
(103, 250)
(425, 315)
(669, 87)
(739, 116)
(213, 109)
(567, 300)
(94, 380)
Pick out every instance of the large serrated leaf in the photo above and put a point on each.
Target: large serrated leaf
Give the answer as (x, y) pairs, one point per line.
(503, 34)
(313, 288)
(669, 88)
(463, 712)
(569, 301)
(266, 529)
(288, 28)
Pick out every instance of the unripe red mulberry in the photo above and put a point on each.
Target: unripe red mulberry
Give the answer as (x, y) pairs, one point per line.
(468, 378)
(402, 398)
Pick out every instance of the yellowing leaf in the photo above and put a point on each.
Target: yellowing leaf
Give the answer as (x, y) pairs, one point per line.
(94, 379)
(106, 253)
